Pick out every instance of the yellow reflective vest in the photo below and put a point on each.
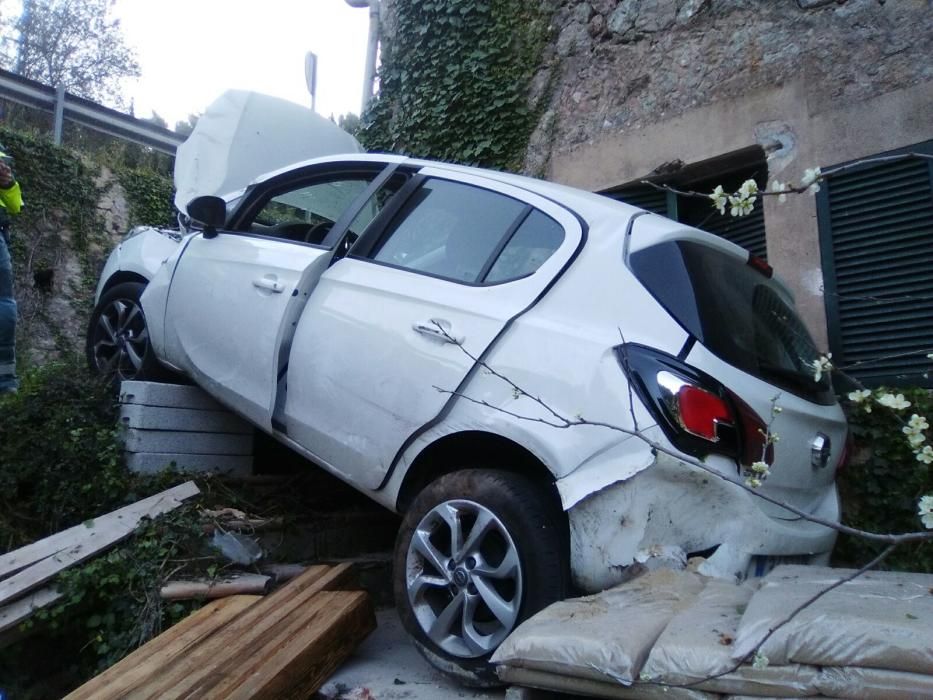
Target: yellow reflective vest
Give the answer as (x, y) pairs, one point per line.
(11, 199)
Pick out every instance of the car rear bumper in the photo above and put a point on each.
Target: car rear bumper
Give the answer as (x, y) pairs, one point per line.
(672, 511)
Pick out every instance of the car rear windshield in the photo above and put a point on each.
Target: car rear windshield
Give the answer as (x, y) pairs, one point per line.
(735, 311)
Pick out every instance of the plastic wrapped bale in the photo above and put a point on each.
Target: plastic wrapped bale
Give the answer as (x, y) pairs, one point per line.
(604, 637)
(880, 620)
(697, 644)
(874, 684)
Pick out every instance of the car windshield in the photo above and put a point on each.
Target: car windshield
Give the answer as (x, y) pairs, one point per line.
(735, 311)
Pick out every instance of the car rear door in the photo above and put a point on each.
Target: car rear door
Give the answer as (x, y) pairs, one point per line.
(233, 295)
(393, 328)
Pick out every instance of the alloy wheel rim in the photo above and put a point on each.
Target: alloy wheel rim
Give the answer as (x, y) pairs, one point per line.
(121, 339)
(464, 578)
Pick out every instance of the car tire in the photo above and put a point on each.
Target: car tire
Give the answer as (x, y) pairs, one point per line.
(513, 554)
(117, 345)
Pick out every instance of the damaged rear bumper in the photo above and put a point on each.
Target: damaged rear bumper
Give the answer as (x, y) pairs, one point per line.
(669, 510)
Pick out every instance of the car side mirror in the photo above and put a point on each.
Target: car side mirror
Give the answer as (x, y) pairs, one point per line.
(208, 211)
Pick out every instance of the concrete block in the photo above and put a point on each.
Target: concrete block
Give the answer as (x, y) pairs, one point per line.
(170, 395)
(155, 462)
(182, 419)
(167, 441)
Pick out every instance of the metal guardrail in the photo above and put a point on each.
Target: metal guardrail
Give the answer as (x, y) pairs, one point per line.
(65, 106)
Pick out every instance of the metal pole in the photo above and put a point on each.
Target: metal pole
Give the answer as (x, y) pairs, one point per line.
(369, 76)
(59, 115)
(311, 76)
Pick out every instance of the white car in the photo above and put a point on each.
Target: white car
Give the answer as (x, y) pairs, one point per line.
(365, 310)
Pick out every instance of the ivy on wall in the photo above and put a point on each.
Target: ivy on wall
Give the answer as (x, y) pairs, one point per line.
(57, 185)
(61, 237)
(149, 195)
(454, 81)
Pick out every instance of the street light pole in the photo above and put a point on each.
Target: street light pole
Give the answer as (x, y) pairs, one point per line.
(372, 48)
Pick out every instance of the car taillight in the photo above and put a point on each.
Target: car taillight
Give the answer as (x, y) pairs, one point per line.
(696, 412)
(699, 412)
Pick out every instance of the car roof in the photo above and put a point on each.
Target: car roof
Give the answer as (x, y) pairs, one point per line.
(585, 204)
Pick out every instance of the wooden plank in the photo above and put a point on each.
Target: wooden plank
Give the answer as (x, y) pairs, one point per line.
(12, 562)
(175, 641)
(255, 627)
(116, 526)
(14, 613)
(574, 686)
(302, 656)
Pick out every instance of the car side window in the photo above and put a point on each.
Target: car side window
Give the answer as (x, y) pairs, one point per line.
(306, 214)
(531, 245)
(449, 229)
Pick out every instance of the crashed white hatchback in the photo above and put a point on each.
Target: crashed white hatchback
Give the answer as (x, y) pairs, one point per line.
(353, 307)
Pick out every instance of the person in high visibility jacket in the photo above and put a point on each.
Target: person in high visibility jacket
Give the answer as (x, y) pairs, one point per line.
(11, 201)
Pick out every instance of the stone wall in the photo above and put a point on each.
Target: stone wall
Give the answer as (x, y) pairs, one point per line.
(619, 65)
(54, 282)
(630, 85)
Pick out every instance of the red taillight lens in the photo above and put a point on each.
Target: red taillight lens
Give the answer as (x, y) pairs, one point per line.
(760, 265)
(701, 411)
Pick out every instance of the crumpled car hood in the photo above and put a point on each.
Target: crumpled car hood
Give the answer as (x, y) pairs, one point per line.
(245, 134)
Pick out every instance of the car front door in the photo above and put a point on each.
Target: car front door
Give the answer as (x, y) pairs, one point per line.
(428, 286)
(232, 294)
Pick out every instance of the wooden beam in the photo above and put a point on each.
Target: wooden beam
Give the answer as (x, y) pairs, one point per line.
(253, 629)
(126, 674)
(304, 653)
(103, 533)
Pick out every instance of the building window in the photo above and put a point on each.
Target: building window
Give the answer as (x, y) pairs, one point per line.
(876, 242)
(730, 171)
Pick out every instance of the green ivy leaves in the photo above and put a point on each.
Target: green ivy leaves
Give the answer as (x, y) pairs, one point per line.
(454, 81)
(881, 486)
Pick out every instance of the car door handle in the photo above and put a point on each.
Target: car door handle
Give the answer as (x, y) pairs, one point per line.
(439, 329)
(270, 283)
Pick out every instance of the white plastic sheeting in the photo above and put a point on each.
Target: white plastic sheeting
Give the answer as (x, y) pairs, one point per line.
(879, 620)
(245, 134)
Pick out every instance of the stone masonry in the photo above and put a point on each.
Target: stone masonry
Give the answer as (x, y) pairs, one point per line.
(619, 65)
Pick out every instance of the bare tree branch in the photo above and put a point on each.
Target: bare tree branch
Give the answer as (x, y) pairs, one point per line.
(771, 632)
(562, 422)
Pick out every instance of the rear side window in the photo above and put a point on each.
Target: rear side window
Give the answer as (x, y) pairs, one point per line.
(449, 230)
(533, 242)
(735, 311)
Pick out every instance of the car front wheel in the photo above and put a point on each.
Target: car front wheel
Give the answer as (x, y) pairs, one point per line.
(118, 338)
(478, 552)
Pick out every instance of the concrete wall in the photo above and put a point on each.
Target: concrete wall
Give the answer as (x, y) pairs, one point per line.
(629, 85)
(889, 121)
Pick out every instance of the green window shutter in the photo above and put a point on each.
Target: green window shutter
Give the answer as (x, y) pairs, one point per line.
(747, 231)
(876, 239)
(642, 196)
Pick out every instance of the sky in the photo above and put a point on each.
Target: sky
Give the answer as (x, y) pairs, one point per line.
(190, 51)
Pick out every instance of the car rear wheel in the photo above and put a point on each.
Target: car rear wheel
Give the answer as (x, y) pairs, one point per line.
(118, 338)
(478, 552)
